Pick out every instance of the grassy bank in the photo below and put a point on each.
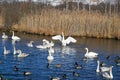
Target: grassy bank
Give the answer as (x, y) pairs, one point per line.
(75, 23)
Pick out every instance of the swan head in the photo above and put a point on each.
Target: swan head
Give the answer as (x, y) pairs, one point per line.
(86, 48)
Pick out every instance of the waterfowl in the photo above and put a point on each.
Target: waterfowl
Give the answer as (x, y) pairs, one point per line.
(46, 44)
(50, 57)
(30, 44)
(15, 68)
(15, 37)
(103, 69)
(51, 50)
(63, 40)
(76, 74)
(22, 55)
(108, 75)
(77, 66)
(4, 36)
(64, 76)
(90, 54)
(14, 50)
(54, 78)
(58, 65)
(6, 51)
(26, 73)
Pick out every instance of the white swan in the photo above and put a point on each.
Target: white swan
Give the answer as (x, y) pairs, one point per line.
(50, 57)
(90, 54)
(103, 69)
(46, 44)
(30, 44)
(6, 51)
(14, 50)
(4, 36)
(108, 75)
(51, 50)
(15, 37)
(22, 55)
(63, 40)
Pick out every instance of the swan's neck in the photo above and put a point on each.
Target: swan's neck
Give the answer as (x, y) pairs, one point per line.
(86, 50)
(4, 49)
(98, 67)
(13, 33)
(111, 75)
(63, 36)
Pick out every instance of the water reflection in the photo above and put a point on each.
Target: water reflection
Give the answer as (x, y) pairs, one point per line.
(42, 68)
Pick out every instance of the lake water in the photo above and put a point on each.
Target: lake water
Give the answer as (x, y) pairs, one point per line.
(37, 62)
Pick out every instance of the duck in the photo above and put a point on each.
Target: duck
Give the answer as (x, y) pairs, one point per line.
(54, 78)
(6, 51)
(58, 65)
(15, 68)
(15, 37)
(108, 75)
(90, 54)
(22, 55)
(102, 69)
(63, 40)
(4, 36)
(76, 74)
(30, 44)
(77, 66)
(26, 73)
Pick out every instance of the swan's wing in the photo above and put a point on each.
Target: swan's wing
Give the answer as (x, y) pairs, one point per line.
(103, 69)
(70, 39)
(45, 41)
(105, 74)
(57, 37)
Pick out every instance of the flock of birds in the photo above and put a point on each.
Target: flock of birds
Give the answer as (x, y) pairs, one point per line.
(106, 71)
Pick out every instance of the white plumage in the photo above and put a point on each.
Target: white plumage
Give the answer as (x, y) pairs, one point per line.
(15, 37)
(6, 51)
(4, 36)
(30, 44)
(63, 40)
(90, 54)
(22, 55)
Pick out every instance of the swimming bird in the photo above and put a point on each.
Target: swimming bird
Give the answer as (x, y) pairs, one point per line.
(15, 68)
(46, 44)
(15, 37)
(58, 65)
(102, 69)
(63, 40)
(76, 74)
(26, 73)
(30, 44)
(51, 50)
(77, 66)
(22, 55)
(108, 75)
(90, 54)
(4, 36)
(14, 50)
(6, 51)
(54, 78)
(50, 57)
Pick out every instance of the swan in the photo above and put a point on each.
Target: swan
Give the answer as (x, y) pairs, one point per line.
(110, 75)
(50, 57)
(46, 44)
(51, 50)
(14, 50)
(6, 51)
(30, 44)
(63, 40)
(103, 69)
(15, 37)
(90, 54)
(22, 55)
(4, 36)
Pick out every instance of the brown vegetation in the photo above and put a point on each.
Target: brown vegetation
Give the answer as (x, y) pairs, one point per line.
(51, 21)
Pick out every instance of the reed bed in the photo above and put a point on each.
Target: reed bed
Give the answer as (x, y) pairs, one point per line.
(74, 23)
